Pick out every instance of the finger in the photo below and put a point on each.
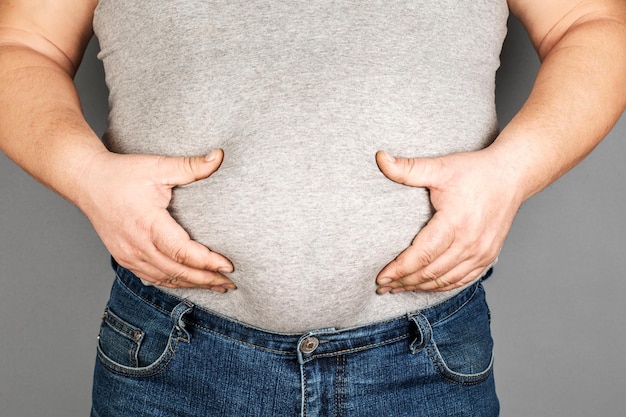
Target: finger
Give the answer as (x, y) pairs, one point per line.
(459, 253)
(432, 241)
(451, 279)
(149, 273)
(185, 170)
(414, 172)
(175, 282)
(172, 240)
(454, 279)
(437, 271)
(454, 268)
(177, 275)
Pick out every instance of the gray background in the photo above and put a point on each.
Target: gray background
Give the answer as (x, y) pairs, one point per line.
(556, 297)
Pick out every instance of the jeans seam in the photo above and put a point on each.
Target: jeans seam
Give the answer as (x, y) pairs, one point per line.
(304, 401)
(343, 385)
(340, 385)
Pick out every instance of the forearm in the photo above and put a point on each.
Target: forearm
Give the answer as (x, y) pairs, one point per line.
(579, 94)
(42, 127)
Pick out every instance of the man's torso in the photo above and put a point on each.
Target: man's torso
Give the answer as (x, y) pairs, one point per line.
(300, 95)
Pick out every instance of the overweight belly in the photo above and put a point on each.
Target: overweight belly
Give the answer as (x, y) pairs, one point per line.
(299, 205)
(307, 232)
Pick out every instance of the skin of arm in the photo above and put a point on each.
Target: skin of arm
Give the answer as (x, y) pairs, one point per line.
(578, 95)
(43, 130)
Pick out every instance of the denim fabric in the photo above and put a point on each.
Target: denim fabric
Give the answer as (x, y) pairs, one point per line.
(160, 356)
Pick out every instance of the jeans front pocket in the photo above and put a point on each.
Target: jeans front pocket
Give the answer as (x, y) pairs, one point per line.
(137, 340)
(460, 344)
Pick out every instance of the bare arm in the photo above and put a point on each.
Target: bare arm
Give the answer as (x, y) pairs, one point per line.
(41, 125)
(580, 90)
(43, 130)
(579, 93)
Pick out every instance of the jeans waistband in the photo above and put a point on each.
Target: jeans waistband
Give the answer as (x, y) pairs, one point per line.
(310, 345)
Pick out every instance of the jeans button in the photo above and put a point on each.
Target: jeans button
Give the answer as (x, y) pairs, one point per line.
(309, 345)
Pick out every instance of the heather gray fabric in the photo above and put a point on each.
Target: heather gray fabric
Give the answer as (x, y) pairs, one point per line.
(300, 95)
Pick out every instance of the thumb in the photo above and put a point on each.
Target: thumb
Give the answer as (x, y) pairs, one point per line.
(414, 172)
(184, 170)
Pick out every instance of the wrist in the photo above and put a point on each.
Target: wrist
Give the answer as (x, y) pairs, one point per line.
(82, 176)
(518, 166)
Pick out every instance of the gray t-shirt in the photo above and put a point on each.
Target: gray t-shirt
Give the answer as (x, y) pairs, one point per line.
(301, 95)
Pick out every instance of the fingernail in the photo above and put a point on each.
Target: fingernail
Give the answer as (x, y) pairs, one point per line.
(383, 290)
(230, 286)
(384, 281)
(397, 290)
(212, 155)
(225, 269)
(388, 157)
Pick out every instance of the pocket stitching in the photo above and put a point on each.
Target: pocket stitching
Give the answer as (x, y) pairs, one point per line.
(141, 372)
(456, 377)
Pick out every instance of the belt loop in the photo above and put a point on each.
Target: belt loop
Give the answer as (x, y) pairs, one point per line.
(424, 332)
(177, 315)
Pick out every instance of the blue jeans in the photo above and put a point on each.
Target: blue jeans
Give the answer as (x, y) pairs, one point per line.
(162, 356)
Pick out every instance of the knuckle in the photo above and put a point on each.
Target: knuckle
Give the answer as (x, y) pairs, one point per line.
(178, 276)
(429, 275)
(468, 245)
(186, 165)
(143, 224)
(127, 256)
(413, 170)
(441, 283)
(424, 257)
(174, 279)
(180, 254)
(492, 253)
(399, 269)
(482, 245)
(190, 169)
(177, 167)
(161, 162)
(457, 284)
(484, 252)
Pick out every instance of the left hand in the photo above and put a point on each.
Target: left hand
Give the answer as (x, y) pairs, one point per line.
(475, 203)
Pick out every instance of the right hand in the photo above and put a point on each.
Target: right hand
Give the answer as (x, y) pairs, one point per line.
(126, 199)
